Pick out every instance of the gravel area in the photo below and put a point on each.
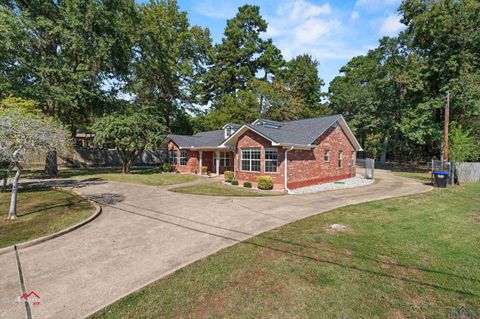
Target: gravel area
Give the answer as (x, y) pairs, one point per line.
(356, 181)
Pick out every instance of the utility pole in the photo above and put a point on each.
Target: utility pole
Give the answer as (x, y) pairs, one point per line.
(445, 128)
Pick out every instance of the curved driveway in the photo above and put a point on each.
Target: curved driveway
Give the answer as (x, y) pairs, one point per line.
(145, 233)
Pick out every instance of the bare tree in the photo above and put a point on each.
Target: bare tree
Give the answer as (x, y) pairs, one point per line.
(24, 133)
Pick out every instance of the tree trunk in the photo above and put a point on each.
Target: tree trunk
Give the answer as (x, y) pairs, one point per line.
(125, 167)
(12, 212)
(5, 179)
(51, 167)
(383, 156)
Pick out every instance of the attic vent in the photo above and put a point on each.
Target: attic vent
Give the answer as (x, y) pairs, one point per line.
(269, 124)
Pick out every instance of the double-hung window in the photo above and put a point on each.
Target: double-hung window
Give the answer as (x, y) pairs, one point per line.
(172, 157)
(271, 160)
(251, 159)
(183, 157)
(225, 159)
(340, 158)
(326, 155)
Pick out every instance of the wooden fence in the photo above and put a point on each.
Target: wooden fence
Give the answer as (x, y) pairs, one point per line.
(468, 172)
(89, 157)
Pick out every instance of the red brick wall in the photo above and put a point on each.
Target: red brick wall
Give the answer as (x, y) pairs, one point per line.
(192, 163)
(309, 168)
(250, 139)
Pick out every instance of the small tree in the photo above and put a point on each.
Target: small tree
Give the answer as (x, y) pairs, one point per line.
(23, 133)
(131, 134)
(463, 146)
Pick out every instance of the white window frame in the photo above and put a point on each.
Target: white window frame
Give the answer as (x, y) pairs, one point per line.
(265, 160)
(183, 152)
(326, 155)
(340, 159)
(225, 159)
(250, 160)
(170, 157)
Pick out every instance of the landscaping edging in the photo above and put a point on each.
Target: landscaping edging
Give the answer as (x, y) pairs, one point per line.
(98, 211)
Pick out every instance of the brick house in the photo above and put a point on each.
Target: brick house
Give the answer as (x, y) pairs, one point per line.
(295, 153)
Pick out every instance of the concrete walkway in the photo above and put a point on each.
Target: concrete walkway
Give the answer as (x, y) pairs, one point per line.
(145, 233)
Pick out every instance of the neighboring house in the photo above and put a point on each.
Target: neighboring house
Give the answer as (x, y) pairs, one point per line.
(296, 153)
(84, 139)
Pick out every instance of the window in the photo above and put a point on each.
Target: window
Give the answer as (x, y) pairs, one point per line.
(340, 158)
(271, 160)
(172, 157)
(183, 157)
(250, 159)
(326, 156)
(225, 159)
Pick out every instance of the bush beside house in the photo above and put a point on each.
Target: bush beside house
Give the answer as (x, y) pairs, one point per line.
(247, 184)
(265, 182)
(166, 167)
(228, 176)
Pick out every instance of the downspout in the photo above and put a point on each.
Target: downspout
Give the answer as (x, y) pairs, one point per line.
(286, 169)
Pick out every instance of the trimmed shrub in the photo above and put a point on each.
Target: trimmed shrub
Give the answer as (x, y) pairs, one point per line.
(204, 170)
(166, 167)
(265, 182)
(209, 173)
(234, 182)
(247, 185)
(228, 175)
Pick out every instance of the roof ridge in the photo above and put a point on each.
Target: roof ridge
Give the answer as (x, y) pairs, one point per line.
(312, 118)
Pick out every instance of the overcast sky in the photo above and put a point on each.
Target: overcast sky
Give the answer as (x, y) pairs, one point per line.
(331, 31)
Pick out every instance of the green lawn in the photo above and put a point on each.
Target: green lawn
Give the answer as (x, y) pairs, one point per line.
(146, 176)
(220, 189)
(408, 257)
(41, 212)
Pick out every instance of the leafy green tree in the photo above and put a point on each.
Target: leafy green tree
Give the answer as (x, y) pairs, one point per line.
(463, 146)
(131, 134)
(23, 133)
(170, 60)
(64, 54)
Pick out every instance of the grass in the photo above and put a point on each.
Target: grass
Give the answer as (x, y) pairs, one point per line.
(146, 176)
(220, 189)
(407, 257)
(41, 212)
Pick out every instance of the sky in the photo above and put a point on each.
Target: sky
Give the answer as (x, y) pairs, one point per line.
(332, 32)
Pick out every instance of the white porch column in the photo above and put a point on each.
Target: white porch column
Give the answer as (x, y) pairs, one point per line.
(200, 162)
(235, 163)
(217, 162)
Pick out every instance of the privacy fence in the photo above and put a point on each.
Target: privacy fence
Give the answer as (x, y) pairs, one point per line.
(90, 157)
(468, 172)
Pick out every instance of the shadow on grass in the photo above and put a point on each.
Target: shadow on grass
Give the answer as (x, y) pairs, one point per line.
(79, 172)
(312, 258)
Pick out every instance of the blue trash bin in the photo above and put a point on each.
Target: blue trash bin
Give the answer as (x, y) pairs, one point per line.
(440, 179)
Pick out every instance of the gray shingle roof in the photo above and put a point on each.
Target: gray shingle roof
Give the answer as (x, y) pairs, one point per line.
(202, 139)
(299, 132)
(302, 132)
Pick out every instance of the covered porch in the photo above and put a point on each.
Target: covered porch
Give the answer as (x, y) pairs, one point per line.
(216, 161)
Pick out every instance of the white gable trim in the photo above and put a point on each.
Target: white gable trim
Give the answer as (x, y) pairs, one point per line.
(242, 130)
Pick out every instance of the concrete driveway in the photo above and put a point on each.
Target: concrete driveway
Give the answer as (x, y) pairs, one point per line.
(145, 233)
